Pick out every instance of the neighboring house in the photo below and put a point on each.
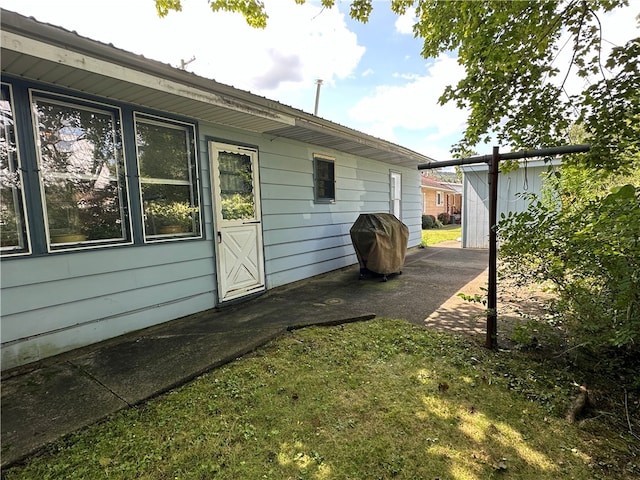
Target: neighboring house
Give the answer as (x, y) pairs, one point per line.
(134, 193)
(440, 197)
(529, 178)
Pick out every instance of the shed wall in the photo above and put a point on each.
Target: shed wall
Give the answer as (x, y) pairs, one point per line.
(511, 186)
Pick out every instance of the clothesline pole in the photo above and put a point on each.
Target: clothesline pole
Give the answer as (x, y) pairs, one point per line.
(493, 161)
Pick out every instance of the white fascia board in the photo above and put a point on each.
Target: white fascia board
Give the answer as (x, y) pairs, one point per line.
(361, 138)
(62, 56)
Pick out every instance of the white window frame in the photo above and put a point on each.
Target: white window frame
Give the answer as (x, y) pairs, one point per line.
(87, 105)
(193, 181)
(395, 193)
(439, 199)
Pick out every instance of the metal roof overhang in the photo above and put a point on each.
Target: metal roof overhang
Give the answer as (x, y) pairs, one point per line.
(40, 52)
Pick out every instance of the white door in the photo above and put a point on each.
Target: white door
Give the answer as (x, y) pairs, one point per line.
(237, 227)
(395, 188)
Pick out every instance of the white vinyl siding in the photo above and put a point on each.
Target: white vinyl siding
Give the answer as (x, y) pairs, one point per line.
(91, 296)
(303, 238)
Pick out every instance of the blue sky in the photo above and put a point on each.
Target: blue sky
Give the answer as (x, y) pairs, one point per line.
(374, 77)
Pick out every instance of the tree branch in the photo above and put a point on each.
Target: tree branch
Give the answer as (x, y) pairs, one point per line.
(626, 411)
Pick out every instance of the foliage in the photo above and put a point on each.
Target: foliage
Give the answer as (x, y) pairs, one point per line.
(589, 249)
(383, 397)
(512, 86)
(475, 298)
(428, 221)
(238, 206)
(509, 89)
(173, 213)
(444, 218)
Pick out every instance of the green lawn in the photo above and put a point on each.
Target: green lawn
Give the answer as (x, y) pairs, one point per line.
(437, 235)
(378, 400)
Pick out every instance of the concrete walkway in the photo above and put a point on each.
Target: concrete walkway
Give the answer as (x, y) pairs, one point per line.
(42, 402)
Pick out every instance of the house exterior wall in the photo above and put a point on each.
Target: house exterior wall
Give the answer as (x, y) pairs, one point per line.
(55, 303)
(451, 202)
(511, 186)
(303, 238)
(58, 301)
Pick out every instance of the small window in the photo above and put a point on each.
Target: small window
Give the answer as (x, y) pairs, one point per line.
(81, 172)
(167, 164)
(13, 232)
(439, 201)
(324, 179)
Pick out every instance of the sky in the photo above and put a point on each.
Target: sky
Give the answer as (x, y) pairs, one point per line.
(374, 78)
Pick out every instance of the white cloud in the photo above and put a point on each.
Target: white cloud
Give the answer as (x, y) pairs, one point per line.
(404, 23)
(406, 76)
(620, 25)
(301, 42)
(414, 104)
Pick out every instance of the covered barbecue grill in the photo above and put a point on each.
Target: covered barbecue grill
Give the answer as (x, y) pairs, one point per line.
(380, 241)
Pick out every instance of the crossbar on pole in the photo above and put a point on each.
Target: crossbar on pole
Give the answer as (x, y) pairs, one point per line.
(542, 152)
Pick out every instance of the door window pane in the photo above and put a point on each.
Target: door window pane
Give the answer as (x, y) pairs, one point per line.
(13, 238)
(166, 159)
(236, 186)
(81, 170)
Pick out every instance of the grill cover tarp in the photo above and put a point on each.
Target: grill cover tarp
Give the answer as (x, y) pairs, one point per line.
(380, 241)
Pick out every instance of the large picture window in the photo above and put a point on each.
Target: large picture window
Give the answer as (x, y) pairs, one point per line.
(64, 185)
(13, 234)
(324, 179)
(81, 173)
(166, 160)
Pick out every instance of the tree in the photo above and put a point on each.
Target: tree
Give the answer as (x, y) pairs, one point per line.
(583, 240)
(514, 86)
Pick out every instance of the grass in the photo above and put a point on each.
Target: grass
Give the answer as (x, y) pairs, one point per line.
(437, 235)
(378, 400)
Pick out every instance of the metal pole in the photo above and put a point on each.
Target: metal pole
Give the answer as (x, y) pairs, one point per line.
(492, 290)
(455, 162)
(319, 84)
(183, 64)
